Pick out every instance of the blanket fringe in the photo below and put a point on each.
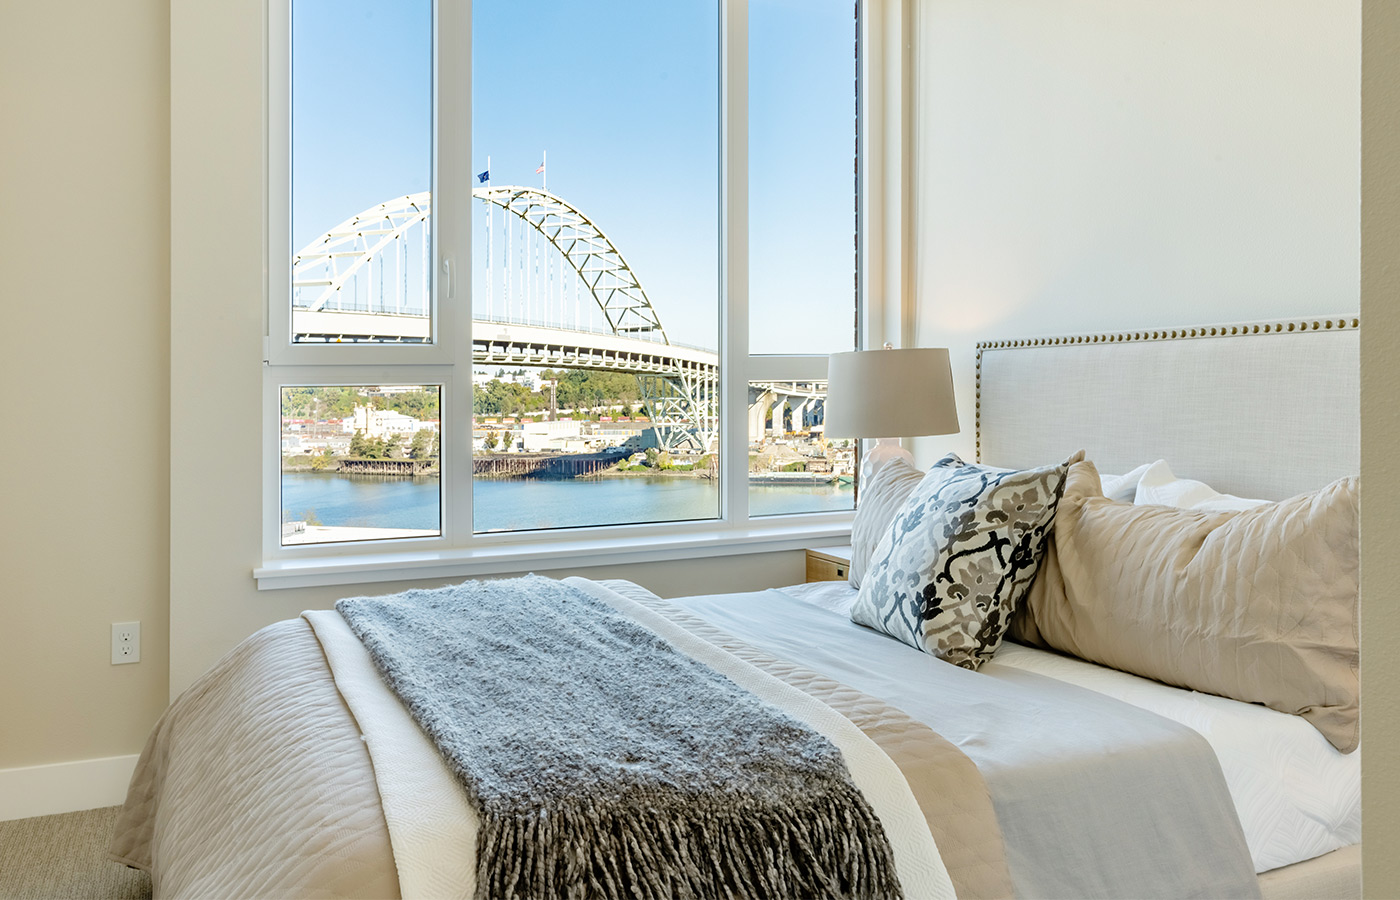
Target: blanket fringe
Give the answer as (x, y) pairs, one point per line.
(578, 850)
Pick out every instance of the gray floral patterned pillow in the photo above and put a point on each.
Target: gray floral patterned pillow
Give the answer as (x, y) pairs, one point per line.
(960, 556)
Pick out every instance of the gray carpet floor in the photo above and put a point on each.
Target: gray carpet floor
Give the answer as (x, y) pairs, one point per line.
(65, 856)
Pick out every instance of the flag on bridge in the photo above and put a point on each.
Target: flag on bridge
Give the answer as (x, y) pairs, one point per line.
(483, 177)
(541, 168)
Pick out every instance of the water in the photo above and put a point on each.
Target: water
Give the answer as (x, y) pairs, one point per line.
(500, 505)
(368, 501)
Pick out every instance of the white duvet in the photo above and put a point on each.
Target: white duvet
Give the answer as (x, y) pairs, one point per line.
(1296, 796)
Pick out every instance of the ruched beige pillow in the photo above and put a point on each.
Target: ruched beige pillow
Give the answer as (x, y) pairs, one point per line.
(880, 501)
(1258, 605)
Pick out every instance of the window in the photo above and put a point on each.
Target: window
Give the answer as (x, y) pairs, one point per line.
(359, 463)
(802, 247)
(596, 260)
(362, 163)
(578, 270)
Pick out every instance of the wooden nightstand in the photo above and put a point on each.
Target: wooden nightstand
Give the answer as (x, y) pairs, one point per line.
(828, 563)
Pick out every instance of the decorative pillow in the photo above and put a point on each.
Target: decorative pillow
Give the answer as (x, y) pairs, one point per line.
(1259, 605)
(1158, 486)
(950, 570)
(880, 500)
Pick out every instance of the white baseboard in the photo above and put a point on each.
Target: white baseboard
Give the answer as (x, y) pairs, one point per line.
(64, 787)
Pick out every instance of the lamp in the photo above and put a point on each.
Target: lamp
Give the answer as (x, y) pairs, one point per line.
(889, 394)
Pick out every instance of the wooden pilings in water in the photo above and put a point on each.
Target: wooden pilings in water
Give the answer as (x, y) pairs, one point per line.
(544, 465)
(504, 465)
(385, 466)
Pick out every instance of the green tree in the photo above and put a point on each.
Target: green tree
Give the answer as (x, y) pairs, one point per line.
(359, 444)
(491, 441)
(363, 447)
(421, 444)
(392, 446)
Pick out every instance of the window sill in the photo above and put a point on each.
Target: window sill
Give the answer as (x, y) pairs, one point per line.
(545, 555)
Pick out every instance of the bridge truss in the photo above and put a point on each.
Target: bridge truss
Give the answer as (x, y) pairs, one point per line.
(681, 398)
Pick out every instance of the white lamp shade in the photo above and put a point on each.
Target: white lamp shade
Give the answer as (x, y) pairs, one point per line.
(890, 393)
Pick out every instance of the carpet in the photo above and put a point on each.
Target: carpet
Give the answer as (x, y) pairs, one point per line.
(65, 856)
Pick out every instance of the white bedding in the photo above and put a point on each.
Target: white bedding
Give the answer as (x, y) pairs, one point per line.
(432, 826)
(1296, 796)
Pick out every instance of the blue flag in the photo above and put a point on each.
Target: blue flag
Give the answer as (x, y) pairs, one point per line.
(483, 176)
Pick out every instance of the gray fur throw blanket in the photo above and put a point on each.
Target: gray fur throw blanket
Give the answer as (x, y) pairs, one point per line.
(603, 762)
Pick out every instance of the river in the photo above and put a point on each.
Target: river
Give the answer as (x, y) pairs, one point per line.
(518, 505)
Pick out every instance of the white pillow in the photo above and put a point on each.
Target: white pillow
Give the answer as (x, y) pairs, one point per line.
(1159, 487)
(1123, 488)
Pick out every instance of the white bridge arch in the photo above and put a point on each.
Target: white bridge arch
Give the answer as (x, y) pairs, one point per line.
(335, 297)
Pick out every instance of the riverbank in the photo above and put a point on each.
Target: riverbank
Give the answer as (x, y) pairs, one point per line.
(644, 472)
(307, 464)
(496, 466)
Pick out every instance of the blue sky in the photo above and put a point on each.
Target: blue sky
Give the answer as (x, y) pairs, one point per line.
(624, 98)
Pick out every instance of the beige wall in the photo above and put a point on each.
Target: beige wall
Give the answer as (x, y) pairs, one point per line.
(1380, 436)
(1089, 165)
(83, 497)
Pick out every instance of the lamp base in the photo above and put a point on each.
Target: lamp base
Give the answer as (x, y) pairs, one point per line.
(885, 451)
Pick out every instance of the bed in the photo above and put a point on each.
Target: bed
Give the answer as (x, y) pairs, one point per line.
(292, 770)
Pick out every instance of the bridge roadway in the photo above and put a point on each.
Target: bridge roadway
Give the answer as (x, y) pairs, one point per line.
(497, 343)
(514, 344)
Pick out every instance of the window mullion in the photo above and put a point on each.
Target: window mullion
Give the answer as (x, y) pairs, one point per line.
(452, 223)
(734, 212)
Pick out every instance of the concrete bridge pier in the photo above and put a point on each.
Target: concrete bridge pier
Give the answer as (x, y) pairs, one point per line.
(799, 415)
(758, 412)
(777, 429)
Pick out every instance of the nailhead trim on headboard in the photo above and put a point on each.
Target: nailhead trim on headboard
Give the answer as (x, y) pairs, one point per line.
(1238, 329)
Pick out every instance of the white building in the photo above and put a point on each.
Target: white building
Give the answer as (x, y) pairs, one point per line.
(376, 423)
(540, 436)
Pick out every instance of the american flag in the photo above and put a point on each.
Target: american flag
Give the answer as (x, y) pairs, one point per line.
(540, 169)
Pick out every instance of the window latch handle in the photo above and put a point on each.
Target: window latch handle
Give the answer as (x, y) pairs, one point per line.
(447, 274)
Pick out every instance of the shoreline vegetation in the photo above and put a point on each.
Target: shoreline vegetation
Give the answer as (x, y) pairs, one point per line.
(308, 464)
(625, 468)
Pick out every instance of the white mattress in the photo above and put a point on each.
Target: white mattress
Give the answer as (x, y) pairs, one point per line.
(1296, 796)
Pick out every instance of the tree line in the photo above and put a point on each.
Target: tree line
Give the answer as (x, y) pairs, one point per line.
(339, 402)
(575, 389)
(423, 445)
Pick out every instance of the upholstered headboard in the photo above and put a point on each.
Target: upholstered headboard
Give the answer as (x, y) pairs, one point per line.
(1260, 409)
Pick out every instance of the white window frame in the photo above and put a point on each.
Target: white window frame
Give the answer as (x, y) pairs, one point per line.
(458, 552)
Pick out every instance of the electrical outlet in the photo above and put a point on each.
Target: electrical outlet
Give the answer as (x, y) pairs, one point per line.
(126, 642)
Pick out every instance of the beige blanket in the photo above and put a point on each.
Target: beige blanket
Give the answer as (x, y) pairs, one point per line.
(256, 782)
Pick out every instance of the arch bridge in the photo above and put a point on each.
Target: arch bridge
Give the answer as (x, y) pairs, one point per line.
(365, 280)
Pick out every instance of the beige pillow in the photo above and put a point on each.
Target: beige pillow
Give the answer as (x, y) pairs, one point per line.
(1259, 605)
(880, 500)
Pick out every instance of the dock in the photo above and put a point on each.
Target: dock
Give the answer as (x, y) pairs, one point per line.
(544, 465)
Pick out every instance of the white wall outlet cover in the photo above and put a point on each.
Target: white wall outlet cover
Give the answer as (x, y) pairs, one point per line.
(126, 642)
